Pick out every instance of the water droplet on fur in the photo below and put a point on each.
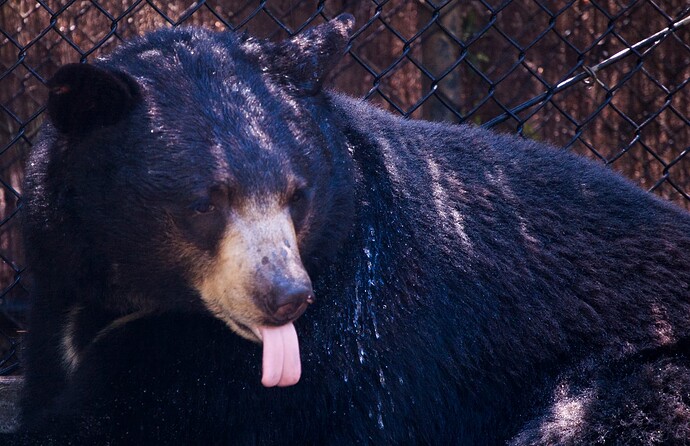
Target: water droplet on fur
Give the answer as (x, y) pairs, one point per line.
(358, 312)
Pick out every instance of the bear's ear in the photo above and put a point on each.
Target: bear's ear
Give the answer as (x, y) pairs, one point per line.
(307, 58)
(83, 97)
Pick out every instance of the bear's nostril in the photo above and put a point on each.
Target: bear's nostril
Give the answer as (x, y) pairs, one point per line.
(290, 302)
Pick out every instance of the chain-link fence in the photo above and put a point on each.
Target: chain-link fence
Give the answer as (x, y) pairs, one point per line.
(605, 78)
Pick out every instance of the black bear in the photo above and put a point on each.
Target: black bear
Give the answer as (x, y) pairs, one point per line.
(225, 253)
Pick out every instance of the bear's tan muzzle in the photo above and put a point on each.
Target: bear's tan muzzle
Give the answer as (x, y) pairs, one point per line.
(257, 277)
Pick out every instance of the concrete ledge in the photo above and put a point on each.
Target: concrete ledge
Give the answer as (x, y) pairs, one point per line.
(10, 387)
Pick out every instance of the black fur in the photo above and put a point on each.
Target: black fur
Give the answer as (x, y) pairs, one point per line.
(468, 283)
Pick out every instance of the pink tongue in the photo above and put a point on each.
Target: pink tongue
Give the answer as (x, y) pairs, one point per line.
(281, 362)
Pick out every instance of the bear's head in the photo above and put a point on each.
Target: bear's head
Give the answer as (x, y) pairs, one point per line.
(197, 169)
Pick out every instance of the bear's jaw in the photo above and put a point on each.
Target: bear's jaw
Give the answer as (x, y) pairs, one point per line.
(250, 333)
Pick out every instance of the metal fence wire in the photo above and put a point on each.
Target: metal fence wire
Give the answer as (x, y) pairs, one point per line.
(604, 78)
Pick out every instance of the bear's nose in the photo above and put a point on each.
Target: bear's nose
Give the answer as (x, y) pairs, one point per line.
(290, 301)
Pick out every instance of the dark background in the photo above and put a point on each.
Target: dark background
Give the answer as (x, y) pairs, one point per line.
(475, 60)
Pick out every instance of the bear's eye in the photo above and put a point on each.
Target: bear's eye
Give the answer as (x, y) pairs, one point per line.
(203, 207)
(203, 223)
(299, 206)
(298, 196)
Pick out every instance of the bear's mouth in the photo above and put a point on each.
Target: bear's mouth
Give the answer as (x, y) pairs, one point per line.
(281, 363)
(243, 330)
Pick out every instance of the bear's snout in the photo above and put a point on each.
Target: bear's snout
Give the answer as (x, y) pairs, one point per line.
(256, 278)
